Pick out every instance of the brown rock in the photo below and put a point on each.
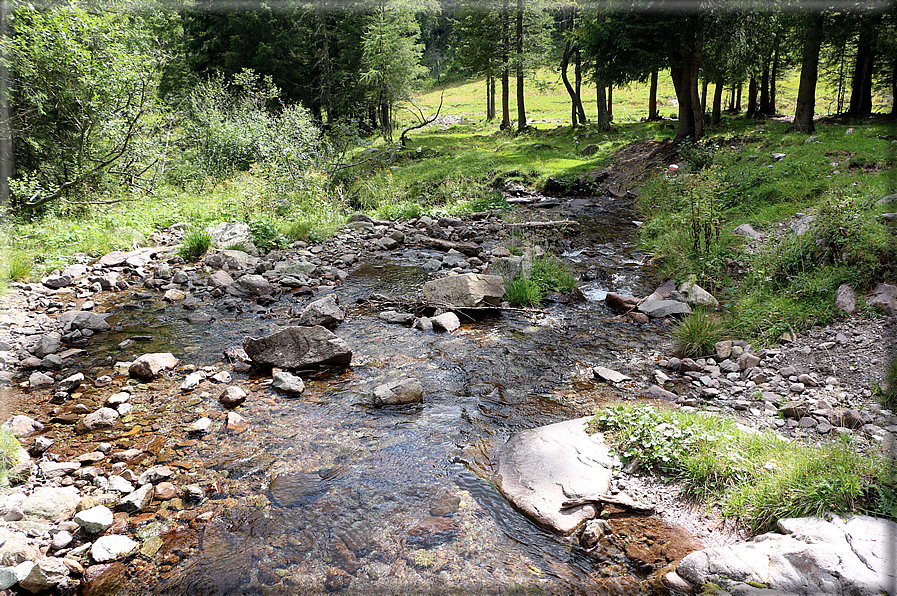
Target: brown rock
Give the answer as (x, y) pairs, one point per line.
(619, 302)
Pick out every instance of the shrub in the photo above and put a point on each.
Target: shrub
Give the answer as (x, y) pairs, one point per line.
(195, 243)
(9, 450)
(697, 333)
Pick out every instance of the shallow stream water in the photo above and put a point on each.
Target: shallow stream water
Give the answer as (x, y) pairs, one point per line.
(324, 492)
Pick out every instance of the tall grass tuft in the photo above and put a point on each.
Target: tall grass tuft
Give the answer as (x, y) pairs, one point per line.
(697, 333)
(17, 266)
(195, 243)
(9, 450)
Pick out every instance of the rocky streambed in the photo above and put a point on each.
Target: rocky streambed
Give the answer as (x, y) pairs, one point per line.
(163, 461)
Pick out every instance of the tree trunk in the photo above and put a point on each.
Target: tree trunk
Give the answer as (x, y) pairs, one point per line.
(738, 98)
(704, 85)
(773, 76)
(809, 72)
(652, 99)
(521, 98)
(894, 90)
(577, 73)
(731, 107)
(610, 103)
(717, 115)
(505, 68)
(752, 98)
(490, 97)
(324, 65)
(685, 80)
(763, 107)
(601, 98)
(861, 83)
(565, 61)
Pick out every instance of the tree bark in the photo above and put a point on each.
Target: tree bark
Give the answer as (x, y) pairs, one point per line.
(752, 98)
(717, 115)
(685, 80)
(763, 107)
(521, 98)
(704, 85)
(809, 73)
(738, 98)
(505, 67)
(773, 76)
(610, 103)
(894, 91)
(861, 82)
(601, 100)
(577, 74)
(565, 61)
(652, 99)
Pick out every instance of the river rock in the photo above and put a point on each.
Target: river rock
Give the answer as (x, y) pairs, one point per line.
(846, 298)
(55, 282)
(137, 500)
(21, 425)
(663, 308)
(470, 290)
(294, 268)
(324, 312)
(884, 299)
(48, 344)
(298, 347)
(192, 381)
(70, 383)
(94, 520)
(220, 279)
(255, 284)
(50, 503)
(447, 321)
(102, 418)
(611, 376)
(82, 319)
(539, 469)
(809, 556)
(174, 295)
(432, 532)
(232, 396)
(16, 548)
(113, 548)
(510, 267)
(698, 296)
(201, 426)
(287, 383)
(39, 380)
(620, 302)
(48, 573)
(155, 475)
(748, 231)
(234, 260)
(227, 235)
(400, 392)
(848, 418)
(236, 423)
(150, 366)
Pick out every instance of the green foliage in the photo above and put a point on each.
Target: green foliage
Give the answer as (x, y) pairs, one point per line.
(548, 273)
(696, 334)
(233, 124)
(83, 97)
(758, 477)
(266, 235)
(9, 452)
(889, 389)
(16, 265)
(698, 155)
(196, 242)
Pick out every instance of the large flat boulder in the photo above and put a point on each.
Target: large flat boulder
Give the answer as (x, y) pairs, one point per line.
(538, 469)
(470, 290)
(150, 366)
(297, 348)
(663, 308)
(810, 556)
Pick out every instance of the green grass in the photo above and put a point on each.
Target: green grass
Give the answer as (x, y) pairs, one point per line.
(548, 274)
(196, 242)
(9, 452)
(756, 477)
(16, 265)
(696, 334)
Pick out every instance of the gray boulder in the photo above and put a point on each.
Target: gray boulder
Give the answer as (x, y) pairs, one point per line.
(294, 268)
(539, 469)
(884, 299)
(255, 284)
(150, 366)
(102, 418)
(112, 548)
(235, 260)
(846, 298)
(94, 520)
(48, 573)
(50, 503)
(83, 319)
(447, 321)
(748, 231)
(470, 290)
(663, 308)
(510, 267)
(232, 235)
(284, 382)
(297, 348)
(48, 344)
(137, 500)
(400, 392)
(221, 279)
(698, 296)
(57, 281)
(810, 556)
(324, 312)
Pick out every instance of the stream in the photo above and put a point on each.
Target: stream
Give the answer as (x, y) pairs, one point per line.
(324, 492)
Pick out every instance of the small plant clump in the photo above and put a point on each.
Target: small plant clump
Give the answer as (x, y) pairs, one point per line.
(758, 477)
(696, 334)
(195, 243)
(547, 274)
(9, 449)
(17, 266)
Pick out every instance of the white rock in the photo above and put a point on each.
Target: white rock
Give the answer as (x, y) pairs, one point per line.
(94, 520)
(112, 548)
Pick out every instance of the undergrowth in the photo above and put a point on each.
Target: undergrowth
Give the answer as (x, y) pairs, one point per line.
(548, 273)
(756, 477)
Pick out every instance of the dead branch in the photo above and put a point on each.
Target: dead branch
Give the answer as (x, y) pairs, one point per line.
(621, 500)
(544, 224)
(422, 123)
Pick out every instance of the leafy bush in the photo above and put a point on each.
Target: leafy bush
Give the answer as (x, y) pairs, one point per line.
(697, 333)
(234, 124)
(9, 450)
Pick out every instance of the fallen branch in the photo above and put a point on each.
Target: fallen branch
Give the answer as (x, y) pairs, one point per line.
(621, 500)
(545, 224)
(423, 121)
